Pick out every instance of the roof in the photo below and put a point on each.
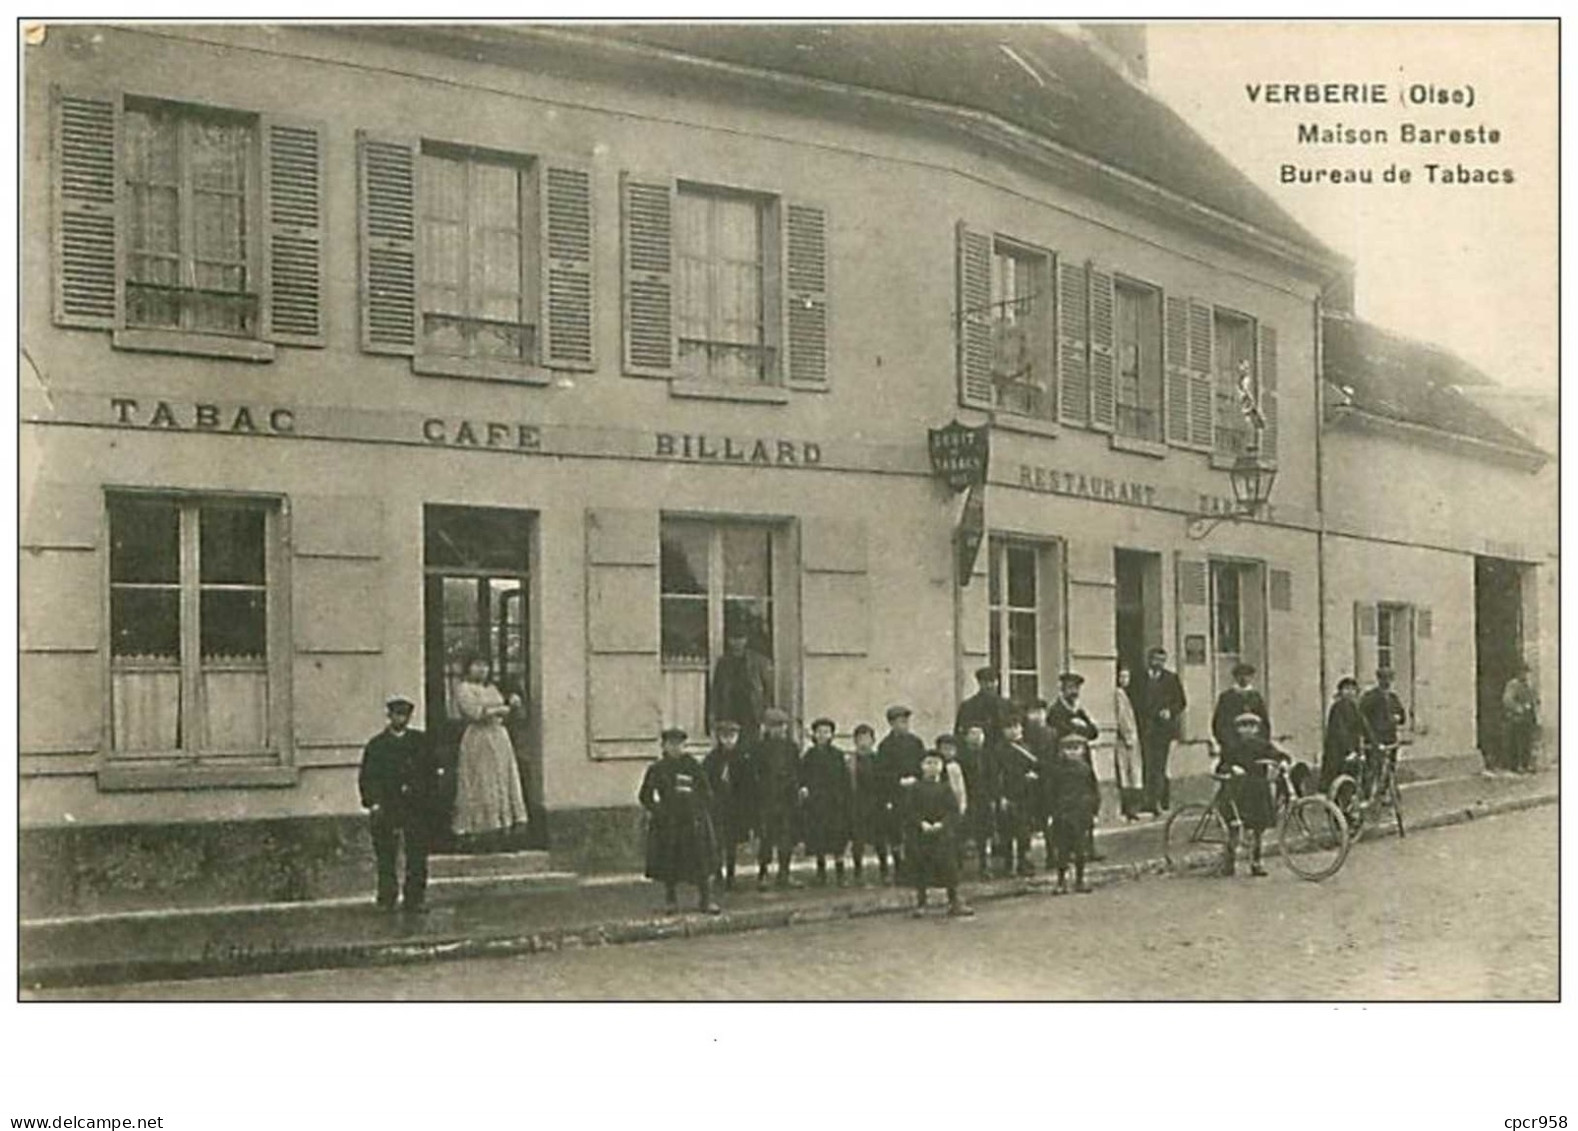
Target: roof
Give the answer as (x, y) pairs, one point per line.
(1040, 78)
(1387, 375)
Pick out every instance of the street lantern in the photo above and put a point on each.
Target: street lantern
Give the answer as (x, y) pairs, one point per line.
(1251, 478)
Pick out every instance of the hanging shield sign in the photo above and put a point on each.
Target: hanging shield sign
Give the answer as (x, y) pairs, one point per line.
(959, 454)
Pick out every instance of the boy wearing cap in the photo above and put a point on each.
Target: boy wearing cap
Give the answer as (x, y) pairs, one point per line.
(871, 803)
(1019, 804)
(932, 836)
(1072, 799)
(899, 757)
(1346, 732)
(681, 845)
(980, 785)
(775, 772)
(1067, 716)
(1247, 799)
(825, 800)
(398, 783)
(1241, 697)
(728, 777)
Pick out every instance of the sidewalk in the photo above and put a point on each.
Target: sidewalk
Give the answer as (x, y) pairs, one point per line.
(283, 937)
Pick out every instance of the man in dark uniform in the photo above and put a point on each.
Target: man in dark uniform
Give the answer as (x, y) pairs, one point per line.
(899, 757)
(741, 687)
(728, 770)
(775, 764)
(399, 788)
(1236, 700)
(986, 707)
(1158, 706)
(1346, 732)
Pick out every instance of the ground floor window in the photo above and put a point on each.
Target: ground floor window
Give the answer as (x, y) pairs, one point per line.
(716, 586)
(189, 624)
(1238, 620)
(1022, 611)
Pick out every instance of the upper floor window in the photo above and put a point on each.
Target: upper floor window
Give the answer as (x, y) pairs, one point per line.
(478, 256)
(1236, 380)
(202, 232)
(1139, 362)
(718, 292)
(1022, 369)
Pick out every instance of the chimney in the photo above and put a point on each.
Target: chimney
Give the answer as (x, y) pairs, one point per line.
(1123, 45)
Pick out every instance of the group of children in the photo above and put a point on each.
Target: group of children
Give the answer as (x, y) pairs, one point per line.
(989, 787)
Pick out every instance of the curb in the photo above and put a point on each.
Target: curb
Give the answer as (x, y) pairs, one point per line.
(240, 960)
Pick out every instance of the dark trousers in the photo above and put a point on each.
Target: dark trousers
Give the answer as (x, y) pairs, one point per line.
(388, 833)
(1154, 749)
(1520, 747)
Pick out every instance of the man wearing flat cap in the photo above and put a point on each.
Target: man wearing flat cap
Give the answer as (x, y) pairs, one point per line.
(728, 768)
(987, 708)
(399, 783)
(1066, 715)
(775, 775)
(899, 757)
(1242, 697)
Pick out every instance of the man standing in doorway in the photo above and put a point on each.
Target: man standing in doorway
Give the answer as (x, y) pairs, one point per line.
(1158, 704)
(1520, 721)
(741, 687)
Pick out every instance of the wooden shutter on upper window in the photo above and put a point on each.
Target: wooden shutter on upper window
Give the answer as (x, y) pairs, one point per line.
(293, 194)
(85, 140)
(1103, 375)
(975, 317)
(1202, 391)
(565, 224)
(1175, 361)
(388, 243)
(647, 248)
(805, 294)
(1268, 391)
(1073, 359)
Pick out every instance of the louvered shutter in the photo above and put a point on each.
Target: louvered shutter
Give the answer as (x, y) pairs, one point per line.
(1073, 360)
(1364, 641)
(85, 139)
(565, 222)
(1103, 375)
(1202, 394)
(805, 294)
(293, 195)
(974, 264)
(1281, 591)
(388, 243)
(647, 246)
(1192, 582)
(1175, 358)
(1424, 667)
(1268, 391)
(624, 693)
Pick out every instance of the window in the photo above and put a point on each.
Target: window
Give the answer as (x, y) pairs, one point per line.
(1022, 377)
(477, 256)
(1235, 375)
(189, 626)
(1139, 362)
(1228, 611)
(716, 582)
(1014, 608)
(1394, 648)
(190, 185)
(718, 296)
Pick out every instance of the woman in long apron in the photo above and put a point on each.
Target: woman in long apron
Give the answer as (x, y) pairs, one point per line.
(489, 801)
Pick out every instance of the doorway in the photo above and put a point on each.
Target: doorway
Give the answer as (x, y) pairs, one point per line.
(1498, 641)
(477, 602)
(1138, 606)
(1238, 621)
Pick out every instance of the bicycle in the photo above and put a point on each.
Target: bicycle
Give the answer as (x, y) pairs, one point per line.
(1312, 833)
(1369, 786)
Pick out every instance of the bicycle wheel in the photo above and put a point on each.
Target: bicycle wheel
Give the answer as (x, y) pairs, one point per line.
(1344, 794)
(1314, 838)
(1394, 798)
(1188, 826)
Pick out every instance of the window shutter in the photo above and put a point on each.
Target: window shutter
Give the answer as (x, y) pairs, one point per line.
(1424, 697)
(623, 663)
(648, 249)
(975, 317)
(1073, 305)
(1268, 390)
(1423, 621)
(1281, 591)
(85, 135)
(1103, 376)
(388, 243)
(565, 261)
(1175, 358)
(293, 193)
(805, 293)
(1194, 620)
(1364, 641)
(1202, 395)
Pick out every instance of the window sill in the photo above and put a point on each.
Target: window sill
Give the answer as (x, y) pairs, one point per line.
(431, 365)
(1030, 425)
(197, 345)
(123, 776)
(1221, 461)
(1153, 448)
(707, 391)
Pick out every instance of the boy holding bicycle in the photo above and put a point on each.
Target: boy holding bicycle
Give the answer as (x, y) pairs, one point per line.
(1247, 799)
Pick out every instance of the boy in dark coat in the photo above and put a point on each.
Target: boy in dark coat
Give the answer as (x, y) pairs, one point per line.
(1247, 800)
(681, 846)
(728, 771)
(931, 811)
(1346, 732)
(825, 798)
(1073, 799)
(1019, 797)
(399, 786)
(872, 793)
(1066, 716)
(899, 756)
(981, 792)
(775, 766)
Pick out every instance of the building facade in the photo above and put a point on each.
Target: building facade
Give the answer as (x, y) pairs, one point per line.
(367, 349)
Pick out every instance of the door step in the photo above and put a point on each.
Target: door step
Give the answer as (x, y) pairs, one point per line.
(489, 865)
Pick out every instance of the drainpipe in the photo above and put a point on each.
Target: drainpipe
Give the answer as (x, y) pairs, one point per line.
(1320, 512)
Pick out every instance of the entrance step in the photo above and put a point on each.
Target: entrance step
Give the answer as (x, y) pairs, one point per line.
(486, 870)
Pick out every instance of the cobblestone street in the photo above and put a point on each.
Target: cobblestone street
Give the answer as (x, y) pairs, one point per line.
(1468, 912)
